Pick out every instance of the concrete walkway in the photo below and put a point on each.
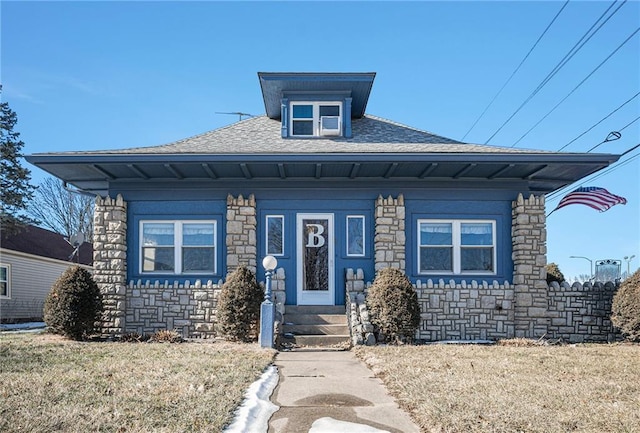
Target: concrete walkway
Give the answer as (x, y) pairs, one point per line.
(321, 388)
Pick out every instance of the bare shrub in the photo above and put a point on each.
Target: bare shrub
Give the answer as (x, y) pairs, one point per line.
(238, 310)
(554, 274)
(132, 337)
(166, 336)
(626, 308)
(393, 304)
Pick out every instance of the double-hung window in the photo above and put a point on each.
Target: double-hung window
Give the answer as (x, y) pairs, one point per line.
(456, 246)
(315, 119)
(5, 281)
(178, 247)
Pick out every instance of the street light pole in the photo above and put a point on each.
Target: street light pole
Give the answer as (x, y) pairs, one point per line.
(588, 259)
(267, 308)
(628, 260)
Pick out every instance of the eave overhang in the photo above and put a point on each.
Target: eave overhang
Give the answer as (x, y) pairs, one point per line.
(278, 85)
(542, 172)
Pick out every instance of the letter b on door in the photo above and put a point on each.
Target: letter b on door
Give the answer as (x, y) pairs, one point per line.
(314, 235)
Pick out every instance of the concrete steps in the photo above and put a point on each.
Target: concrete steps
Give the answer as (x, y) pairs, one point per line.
(315, 325)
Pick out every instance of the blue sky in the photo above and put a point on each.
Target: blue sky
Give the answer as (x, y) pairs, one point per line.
(100, 75)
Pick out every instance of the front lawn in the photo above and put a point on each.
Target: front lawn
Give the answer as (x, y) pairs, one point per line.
(51, 384)
(453, 388)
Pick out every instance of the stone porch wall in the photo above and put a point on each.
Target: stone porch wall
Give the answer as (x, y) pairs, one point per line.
(465, 311)
(241, 232)
(582, 312)
(187, 308)
(482, 311)
(357, 313)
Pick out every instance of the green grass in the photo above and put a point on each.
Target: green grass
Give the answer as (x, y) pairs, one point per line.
(50, 384)
(446, 388)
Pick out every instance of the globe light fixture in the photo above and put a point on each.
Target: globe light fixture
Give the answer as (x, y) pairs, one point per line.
(267, 308)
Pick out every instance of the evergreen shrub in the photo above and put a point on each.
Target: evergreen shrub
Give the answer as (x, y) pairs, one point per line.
(74, 304)
(626, 307)
(238, 309)
(393, 305)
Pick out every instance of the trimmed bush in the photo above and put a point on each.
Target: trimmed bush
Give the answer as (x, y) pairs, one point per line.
(626, 307)
(393, 305)
(238, 309)
(74, 304)
(554, 274)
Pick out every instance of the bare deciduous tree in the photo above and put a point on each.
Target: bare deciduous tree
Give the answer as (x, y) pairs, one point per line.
(61, 210)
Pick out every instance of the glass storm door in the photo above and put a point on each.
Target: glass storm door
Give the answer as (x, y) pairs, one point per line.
(315, 259)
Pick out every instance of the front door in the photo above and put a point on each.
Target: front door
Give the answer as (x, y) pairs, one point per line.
(315, 259)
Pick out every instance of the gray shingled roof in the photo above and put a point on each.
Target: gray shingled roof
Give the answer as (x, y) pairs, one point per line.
(261, 135)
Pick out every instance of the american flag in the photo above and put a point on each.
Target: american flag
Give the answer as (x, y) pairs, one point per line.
(592, 196)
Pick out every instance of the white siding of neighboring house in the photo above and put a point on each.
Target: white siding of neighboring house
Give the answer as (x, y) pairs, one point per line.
(31, 278)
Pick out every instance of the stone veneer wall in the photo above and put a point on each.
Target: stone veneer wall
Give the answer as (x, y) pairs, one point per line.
(465, 310)
(529, 237)
(390, 238)
(357, 312)
(482, 311)
(110, 260)
(187, 308)
(278, 297)
(582, 312)
(241, 232)
(278, 293)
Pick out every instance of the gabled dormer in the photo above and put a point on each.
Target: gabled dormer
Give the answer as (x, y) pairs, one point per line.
(312, 104)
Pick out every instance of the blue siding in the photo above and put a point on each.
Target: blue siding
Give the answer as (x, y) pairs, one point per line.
(349, 199)
(175, 210)
(500, 211)
(340, 209)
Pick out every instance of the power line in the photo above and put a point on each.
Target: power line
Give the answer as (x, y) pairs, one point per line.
(575, 50)
(560, 65)
(600, 121)
(576, 88)
(554, 195)
(614, 132)
(516, 70)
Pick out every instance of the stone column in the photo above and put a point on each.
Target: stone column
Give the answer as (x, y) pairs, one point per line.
(529, 237)
(390, 239)
(241, 232)
(110, 260)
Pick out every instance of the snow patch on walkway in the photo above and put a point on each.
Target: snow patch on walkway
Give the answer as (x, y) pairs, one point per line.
(256, 409)
(330, 425)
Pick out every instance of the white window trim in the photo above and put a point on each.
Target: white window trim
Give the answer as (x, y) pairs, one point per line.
(266, 238)
(177, 246)
(457, 246)
(364, 238)
(8, 268)
(316, 117)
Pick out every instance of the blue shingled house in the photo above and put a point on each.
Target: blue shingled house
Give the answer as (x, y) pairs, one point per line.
(334, 194)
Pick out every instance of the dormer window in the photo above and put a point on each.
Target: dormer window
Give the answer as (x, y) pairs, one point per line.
(316, 119)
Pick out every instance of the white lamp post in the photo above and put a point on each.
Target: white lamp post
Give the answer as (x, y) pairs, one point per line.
(267, 308)
(590, 263)
(628, 260)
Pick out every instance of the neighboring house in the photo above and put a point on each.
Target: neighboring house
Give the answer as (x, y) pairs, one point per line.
(31, 260)
(334, 194)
